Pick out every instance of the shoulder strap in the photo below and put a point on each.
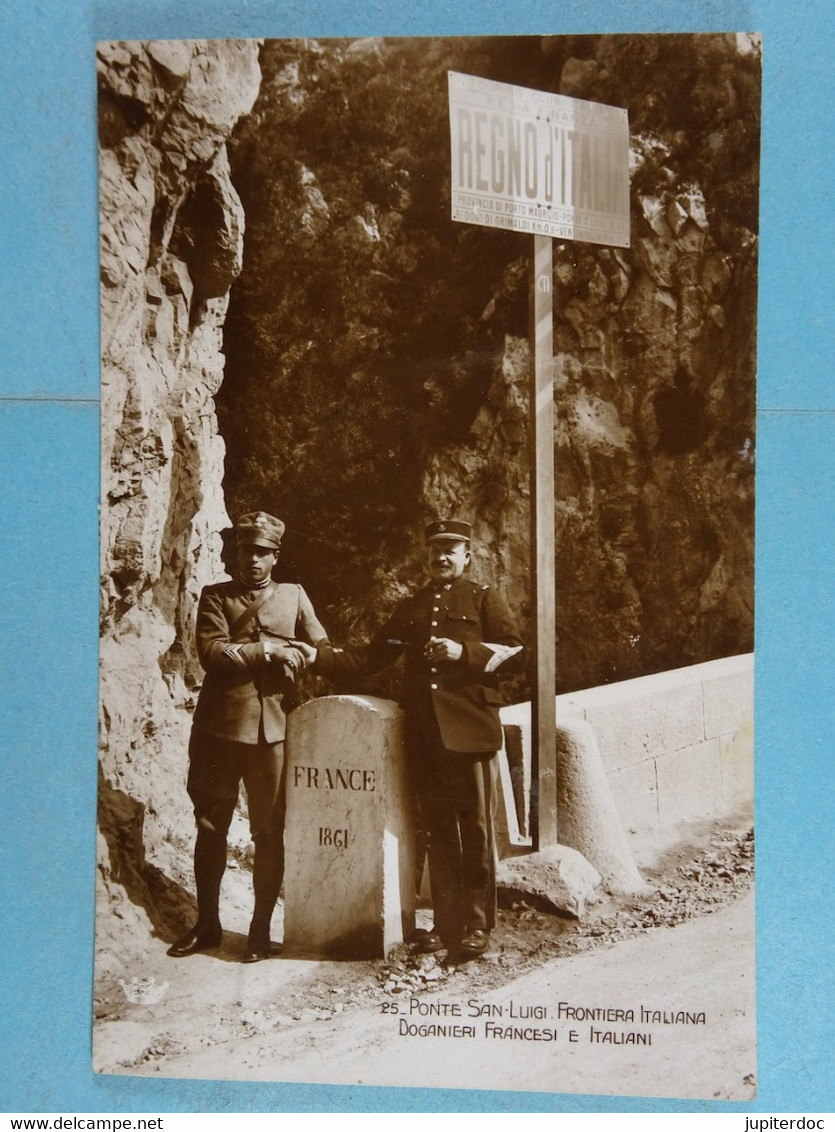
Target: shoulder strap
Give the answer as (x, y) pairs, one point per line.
(252, 609)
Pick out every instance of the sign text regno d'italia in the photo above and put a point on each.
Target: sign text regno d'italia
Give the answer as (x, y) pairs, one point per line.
(537, 162)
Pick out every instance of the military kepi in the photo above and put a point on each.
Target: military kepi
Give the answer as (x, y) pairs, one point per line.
(457, 529)
(259, 529)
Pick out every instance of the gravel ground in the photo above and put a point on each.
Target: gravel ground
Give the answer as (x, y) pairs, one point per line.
(694, 877)
(210, 1016)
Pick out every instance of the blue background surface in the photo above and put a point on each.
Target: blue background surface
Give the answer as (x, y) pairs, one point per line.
(49, 443)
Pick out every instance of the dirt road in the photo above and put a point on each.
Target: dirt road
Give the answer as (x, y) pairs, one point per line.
(615, 1005)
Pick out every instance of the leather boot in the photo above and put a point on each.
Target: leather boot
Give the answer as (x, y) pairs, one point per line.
(201, 937)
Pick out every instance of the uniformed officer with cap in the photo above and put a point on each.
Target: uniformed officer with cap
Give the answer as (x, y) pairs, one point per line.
(244, 630)
(457, 636)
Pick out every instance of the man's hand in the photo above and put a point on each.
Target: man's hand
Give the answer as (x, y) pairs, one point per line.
(290, 656)
(309, 653)
(442, 648)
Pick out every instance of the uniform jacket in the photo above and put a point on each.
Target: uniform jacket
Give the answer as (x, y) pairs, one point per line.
(241, 695)
(463, 695)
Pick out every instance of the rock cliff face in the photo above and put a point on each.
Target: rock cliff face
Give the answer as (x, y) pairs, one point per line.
(171, 245)
(654, 386)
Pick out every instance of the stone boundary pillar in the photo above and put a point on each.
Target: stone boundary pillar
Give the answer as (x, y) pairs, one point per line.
(349, 879)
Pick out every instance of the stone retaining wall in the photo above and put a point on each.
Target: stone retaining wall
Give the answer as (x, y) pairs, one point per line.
(675, 746)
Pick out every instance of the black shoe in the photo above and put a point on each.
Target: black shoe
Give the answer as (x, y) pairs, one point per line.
(429, 943)
(258, 947)
(475, 941)
(196, 939)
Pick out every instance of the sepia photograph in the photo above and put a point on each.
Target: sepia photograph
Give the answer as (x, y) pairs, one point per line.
(426, 667)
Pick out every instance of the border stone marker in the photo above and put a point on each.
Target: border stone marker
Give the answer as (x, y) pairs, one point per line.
(349, 879)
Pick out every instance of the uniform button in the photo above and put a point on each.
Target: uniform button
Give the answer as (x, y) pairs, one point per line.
(434, 687)
(435, 608)
(434, 624)
(433, 669)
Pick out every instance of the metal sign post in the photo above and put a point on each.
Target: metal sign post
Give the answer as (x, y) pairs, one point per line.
(550, 166)
(543, 551)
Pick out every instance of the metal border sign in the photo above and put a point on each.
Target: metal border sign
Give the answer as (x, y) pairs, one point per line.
(535, 162)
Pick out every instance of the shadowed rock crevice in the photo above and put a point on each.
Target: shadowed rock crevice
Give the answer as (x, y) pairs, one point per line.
(121, 821)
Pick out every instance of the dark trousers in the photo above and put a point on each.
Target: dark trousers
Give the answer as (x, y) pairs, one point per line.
(456, 796)
(216, 769)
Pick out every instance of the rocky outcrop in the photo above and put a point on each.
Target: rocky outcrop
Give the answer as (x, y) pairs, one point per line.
(488, 479)
(654, 477)
(171, 245)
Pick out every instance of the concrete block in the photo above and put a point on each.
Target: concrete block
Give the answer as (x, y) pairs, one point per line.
(570, 706)
(729, 698)
(516, 724)
(635, 789)
(630, 731)
(509, 837)
(690, 783)
(349, 881)
(736, 756)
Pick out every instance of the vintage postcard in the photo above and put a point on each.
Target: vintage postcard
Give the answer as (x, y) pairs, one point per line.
(426, 665)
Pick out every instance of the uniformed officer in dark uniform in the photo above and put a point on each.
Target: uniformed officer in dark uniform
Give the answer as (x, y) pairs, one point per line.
(244, 630)
(457, 636)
